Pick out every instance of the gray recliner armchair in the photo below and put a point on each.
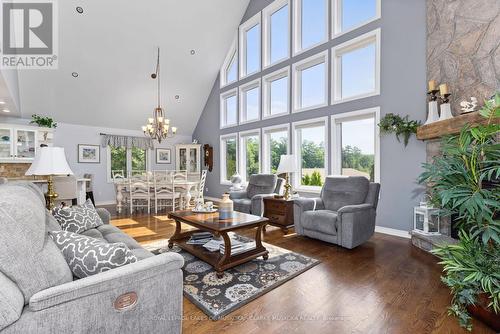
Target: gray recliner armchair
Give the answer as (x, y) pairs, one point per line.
(344, 214)
(259, 186)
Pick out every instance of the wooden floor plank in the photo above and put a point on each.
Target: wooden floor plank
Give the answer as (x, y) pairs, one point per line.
(383, 286)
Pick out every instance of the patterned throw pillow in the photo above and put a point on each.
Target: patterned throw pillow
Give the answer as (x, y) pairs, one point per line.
(88, 256)
(78, 218)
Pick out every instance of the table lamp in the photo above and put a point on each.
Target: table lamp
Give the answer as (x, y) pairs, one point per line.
(50, 161)
(288, 164)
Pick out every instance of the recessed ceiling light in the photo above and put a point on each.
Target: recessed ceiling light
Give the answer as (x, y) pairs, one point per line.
(79, 10)
(75, 74)
(193, 52)
(177, 97)
(6, 110)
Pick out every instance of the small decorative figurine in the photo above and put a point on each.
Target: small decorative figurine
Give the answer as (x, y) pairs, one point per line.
(468, 107)
(236, 181)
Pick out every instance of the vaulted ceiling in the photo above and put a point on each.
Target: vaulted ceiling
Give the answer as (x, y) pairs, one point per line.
(112, 47)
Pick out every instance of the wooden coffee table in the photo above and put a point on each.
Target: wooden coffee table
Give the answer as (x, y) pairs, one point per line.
(210, 222)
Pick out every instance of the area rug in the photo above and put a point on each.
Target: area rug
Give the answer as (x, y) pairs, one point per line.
(239, 285)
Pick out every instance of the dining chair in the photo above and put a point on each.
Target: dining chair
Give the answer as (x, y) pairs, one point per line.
(139, 193)
(140, 174)
(118, 175)
(67, 189)
(88, 187)
(164, 190)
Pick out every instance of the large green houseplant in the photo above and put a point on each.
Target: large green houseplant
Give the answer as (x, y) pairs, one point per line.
(463, 181)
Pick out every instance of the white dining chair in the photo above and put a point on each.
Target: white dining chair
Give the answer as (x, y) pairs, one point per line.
(139, 193)
(165, 194)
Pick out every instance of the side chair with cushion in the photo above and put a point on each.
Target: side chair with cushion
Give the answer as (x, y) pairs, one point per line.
(259, 186)
(38, 293)
(344, 214)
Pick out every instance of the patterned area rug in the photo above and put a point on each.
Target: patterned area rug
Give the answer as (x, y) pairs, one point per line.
(239, 285)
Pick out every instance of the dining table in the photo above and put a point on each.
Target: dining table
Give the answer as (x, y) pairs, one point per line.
(185, 187)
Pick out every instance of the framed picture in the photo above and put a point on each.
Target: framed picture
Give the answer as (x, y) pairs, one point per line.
(163, 156)
(89, 154)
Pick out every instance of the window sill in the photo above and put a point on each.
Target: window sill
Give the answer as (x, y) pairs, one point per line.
(354, 98)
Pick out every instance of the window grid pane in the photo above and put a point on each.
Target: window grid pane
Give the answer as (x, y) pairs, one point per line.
(278, 95)
(313, 19)
(138, 159)
(358, 148)
(118, 160)
(232, 70)
(230, 158)
(356, 12)
(312, 154)
(252, 148)
(231, 110)
(312, 86)
(252, 104)
(278, 146)
(279, 35)
(358, 71)
(252, 47)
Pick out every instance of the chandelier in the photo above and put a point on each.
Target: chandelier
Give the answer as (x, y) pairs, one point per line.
(158, 127)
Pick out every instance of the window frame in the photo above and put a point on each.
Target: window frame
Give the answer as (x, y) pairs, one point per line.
(242, 100)
(336, 18)
(267, 81)
(297, 28)
(243, 29)
(128, 158)
(232, 54)
(316, 59)
(242, 151)
(346, 47)
(222, 156)
(336, 141)
(266, 32)
(223, 110)
(297, 143)
(266, 149)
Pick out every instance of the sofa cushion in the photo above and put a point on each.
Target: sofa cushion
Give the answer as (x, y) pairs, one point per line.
(88, 256)
(113, 234)
(323, 221)
(28, 256)
(141, 253)
(242, 205)
(78, 218)
(11, 302)
(338, 192)
(261, 184)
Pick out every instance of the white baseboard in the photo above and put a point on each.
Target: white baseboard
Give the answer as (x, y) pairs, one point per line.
(393, 231)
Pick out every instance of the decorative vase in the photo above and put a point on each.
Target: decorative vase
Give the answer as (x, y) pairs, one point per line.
(433, 115)
(225, 207)
(445, 112)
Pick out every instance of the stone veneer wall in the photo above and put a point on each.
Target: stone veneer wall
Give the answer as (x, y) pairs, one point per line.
(463, 47)
(14, 170)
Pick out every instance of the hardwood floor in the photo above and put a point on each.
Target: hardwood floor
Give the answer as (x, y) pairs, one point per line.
(383, 286)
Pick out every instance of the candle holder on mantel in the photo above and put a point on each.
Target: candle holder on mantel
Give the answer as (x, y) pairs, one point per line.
(445, 107)
(433, 114)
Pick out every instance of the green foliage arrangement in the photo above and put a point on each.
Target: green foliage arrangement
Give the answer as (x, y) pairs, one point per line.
(312, 180)
(463, 181)
(401, 126)
(44, 122)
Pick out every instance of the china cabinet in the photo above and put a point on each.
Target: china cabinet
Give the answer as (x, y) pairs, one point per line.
(188, 157)
(20, 143)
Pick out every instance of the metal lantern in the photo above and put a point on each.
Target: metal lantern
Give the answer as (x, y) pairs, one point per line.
(426, 220)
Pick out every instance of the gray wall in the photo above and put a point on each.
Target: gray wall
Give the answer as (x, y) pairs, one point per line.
(403, 91)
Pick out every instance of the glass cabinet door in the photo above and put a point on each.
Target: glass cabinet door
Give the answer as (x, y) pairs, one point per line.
(193, 160)
(25, 144)
(182, 159)
(5, 144)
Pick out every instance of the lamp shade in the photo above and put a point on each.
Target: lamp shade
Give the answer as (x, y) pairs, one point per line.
(288, 164)
(50, 161)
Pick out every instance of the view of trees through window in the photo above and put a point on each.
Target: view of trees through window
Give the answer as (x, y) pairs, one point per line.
(120, 156)
(252, 155)
(313, 171)
(230, 158)
(277, 148)
(358, 147)
(138, 159)
(118, 159)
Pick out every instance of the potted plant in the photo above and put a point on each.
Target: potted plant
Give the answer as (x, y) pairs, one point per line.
(43, 122)
(401, 126)
(462, 181)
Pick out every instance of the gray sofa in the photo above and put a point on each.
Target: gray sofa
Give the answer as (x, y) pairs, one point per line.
(344, 214)
(38, 293)
(259, 186)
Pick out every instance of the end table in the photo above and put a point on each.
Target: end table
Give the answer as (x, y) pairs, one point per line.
(279, 212)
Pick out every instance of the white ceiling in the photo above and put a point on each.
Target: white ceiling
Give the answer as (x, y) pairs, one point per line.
(113, 48)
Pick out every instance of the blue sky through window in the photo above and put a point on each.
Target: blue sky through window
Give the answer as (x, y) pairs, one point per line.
(313, 86)
(252, 104)
(253, 49)
(279, 34)
(231, 74)
(355, 12)
(358, 71)
(314, 20)
(360, 134)
(279, 96)
(231, 110)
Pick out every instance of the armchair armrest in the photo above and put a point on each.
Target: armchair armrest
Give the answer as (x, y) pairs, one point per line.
(238, 194)
(301, 205)
(258, 203)
(355, 224)
(104, 214)
(107, 282)
(355, 208)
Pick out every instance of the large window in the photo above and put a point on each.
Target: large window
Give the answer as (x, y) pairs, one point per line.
(229, 108)
(310, 84)
(275, 93)
(250, 46)
(276, 32)
(351, 14)
(310, 24)
(250, 102)
(275, 144)
(356, 71)
(311, 149)
(123, 161)
(355, 142)
(229, 70)
(250, 153)
(228, 157)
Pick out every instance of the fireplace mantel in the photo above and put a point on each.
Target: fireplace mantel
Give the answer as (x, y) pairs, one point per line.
(449, 126)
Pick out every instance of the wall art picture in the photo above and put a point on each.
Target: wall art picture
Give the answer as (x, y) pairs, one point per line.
(163, 156)
(89, 154)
